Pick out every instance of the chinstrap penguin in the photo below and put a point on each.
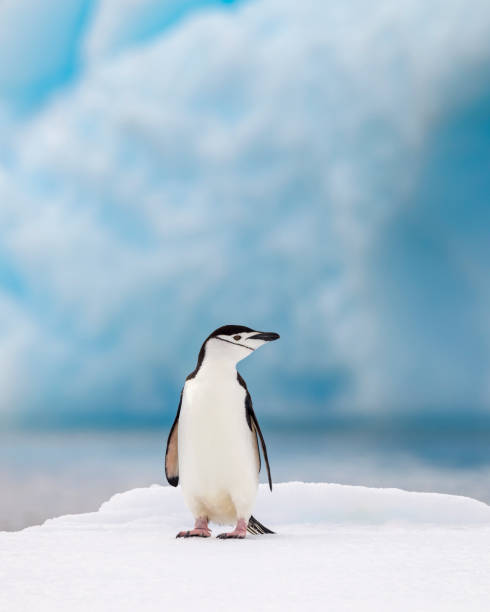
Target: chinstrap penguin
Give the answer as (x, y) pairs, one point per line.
(213, 446)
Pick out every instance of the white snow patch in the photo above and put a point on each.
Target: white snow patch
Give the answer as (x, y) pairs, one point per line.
(337, 547)
(292, 503)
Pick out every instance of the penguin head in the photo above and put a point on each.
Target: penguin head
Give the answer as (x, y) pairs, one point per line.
(235, 342)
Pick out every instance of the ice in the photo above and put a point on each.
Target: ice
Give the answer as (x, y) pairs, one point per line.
(119, 24)
(337, 547)
(261, 165)
(38, 49)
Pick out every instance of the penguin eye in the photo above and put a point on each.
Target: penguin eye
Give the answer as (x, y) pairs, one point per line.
(237, 337)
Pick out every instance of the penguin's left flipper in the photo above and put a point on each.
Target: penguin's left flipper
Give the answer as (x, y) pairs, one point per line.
(172, 452)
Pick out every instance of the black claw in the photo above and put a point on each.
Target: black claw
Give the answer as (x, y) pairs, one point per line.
(227, 536)
(188, 534)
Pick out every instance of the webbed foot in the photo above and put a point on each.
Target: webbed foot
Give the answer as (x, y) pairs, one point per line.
(201, 530)
(238, 533)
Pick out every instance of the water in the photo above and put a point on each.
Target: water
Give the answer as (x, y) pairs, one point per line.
(49, 474)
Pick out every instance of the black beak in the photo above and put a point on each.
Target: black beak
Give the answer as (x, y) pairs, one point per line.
(267, 336)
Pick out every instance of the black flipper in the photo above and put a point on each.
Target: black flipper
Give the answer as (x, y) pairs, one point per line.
(256, 528)
(172, 451)
(254, 425)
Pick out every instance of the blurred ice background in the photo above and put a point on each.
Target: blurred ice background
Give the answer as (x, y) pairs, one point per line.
(320, 169)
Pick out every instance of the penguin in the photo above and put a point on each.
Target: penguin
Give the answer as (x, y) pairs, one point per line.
(213, 445)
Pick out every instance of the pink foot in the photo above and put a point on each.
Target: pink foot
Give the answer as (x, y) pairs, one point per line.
(238, 533)
(201, 530)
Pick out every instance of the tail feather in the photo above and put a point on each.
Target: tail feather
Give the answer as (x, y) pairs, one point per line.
(257, 528)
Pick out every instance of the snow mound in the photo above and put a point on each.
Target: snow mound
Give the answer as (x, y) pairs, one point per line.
(337, 547)
(290, 504)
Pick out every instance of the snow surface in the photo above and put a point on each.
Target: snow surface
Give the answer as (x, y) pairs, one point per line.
(337, 547)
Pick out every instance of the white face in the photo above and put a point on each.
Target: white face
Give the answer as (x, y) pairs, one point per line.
(236, 347)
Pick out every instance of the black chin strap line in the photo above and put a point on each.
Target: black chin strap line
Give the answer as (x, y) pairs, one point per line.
(234, 343)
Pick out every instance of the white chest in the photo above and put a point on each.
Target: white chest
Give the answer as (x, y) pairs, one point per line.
(214, 437)
(212, 412)
(218, 462)
(213, 395)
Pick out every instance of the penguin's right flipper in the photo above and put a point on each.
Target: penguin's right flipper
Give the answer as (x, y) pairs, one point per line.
(255, 427)
(172, 452)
